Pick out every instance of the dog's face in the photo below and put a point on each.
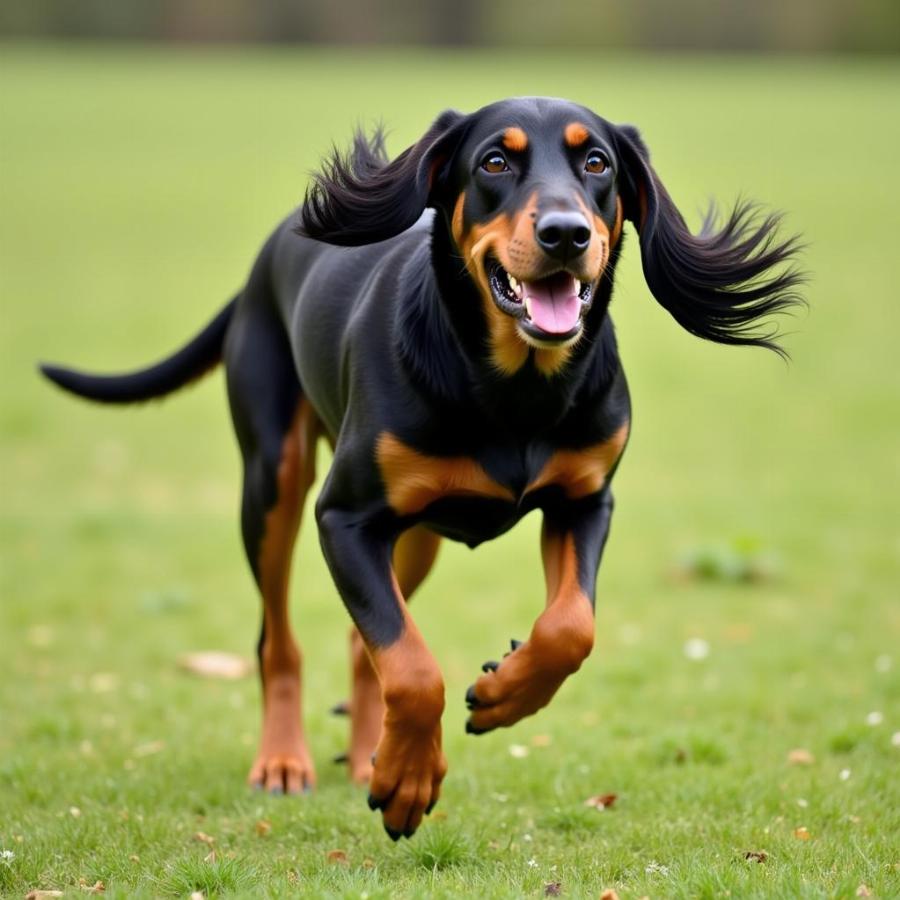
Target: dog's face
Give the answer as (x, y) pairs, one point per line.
(535, 213)
(534, 192)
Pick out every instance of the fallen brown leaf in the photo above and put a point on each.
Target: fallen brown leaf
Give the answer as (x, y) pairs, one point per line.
(609, 894)
(759, 856)
(337, 857)
(800, 757)
(204, 838)
(553, 889)
(134, 858)
(216, 664)
(98, 887)
(802, 833)
(149, 748)
(863, 891)
(541, 740)
(263, 827)
(210, 857)
(601, 801)
(368, 863)
(39, 895)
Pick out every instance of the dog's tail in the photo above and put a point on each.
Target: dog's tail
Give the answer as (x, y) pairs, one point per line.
(191, 362)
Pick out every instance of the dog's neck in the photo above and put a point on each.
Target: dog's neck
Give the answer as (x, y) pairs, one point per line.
(440, 334)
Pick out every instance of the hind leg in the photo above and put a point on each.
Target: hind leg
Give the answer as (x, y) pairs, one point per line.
(277, 430)
(414, 555)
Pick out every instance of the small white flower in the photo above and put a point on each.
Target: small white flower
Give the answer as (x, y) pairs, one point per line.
(527, 838)
(654, 868)
(883, 663)
(518, 751)
(802, 803)
(7, 856)
(532, 863)
(844, 775)
(874, 718)
(696, 649)
(895, 738)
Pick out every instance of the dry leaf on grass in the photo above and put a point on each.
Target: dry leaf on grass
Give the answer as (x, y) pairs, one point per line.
(39, 895)
(802, 833)
(609, 894)
(759, 856)
(216, 664)
(601, 801)
(210, 857)
(863, 891)
(553, 889)
(337, 857)
(98, 887)
(204, 838)
(263, 827)
(541, 740)
(800, 757)
(149, 748)
(368, 863)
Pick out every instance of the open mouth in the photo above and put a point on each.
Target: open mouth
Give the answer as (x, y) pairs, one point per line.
(549, 311)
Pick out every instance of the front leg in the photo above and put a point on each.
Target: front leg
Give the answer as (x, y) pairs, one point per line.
(572, 541)
(409, 763)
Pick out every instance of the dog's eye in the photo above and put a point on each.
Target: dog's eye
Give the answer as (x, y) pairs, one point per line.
(596, 163)
(494, 163)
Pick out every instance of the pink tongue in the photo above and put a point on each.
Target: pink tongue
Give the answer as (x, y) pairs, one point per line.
(554, 304)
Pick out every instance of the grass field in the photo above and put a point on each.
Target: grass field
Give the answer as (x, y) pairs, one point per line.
(136, 187)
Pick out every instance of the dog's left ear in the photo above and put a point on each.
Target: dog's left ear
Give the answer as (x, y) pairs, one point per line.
(362, 197)
(718, 283)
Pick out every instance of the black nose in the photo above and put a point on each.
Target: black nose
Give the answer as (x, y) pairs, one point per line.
(563, 235)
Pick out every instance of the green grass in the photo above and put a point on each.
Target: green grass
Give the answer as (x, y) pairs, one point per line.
(137, 185)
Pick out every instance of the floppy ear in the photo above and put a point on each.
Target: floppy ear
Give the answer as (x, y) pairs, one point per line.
(717, 284)
(361, 197)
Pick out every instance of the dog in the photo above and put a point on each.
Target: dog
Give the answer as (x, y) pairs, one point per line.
(442, 320)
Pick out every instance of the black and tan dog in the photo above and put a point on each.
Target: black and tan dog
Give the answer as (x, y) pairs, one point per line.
(463, 367)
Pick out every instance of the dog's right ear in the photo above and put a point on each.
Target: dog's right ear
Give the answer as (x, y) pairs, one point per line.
(362, 197)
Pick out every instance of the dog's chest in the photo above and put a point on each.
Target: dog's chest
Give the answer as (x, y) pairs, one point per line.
(507, 483)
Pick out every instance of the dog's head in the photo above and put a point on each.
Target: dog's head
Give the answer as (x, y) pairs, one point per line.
(534, 193)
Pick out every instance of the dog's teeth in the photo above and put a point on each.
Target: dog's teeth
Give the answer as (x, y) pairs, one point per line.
(528, 306)
(518, 290)
(577, 286)
(512, 281)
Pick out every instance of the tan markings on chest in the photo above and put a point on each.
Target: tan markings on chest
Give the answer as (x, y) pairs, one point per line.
(581, 472)
(413, 479)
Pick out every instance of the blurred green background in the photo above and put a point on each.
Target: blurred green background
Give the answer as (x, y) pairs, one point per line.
(136, 184)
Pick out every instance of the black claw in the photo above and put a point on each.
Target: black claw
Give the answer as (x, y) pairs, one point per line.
(276, 791)
(341, 758)
(430, 807)
(471, 729)
(514, 644)
(374, 802)
(409, 834)
(490, 666)
(372, 759)
(393, 835)
(471, 700)
(340, 709)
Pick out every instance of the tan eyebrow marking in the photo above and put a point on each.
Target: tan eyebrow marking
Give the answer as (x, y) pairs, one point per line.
(515, 139)
(576, 134)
